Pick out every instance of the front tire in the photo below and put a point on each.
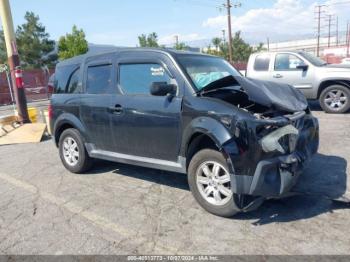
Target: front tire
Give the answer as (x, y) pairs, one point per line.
(210, 183)
(73, 153)
(335, 99)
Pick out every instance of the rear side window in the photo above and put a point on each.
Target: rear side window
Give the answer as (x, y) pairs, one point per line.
(63, 78)
(72, 86)
(262, 63)
(137, 78)
(99, 79)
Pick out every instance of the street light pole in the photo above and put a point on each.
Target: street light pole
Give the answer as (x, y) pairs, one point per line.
(13, 59)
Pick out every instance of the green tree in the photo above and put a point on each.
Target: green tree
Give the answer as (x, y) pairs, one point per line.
(72, 44)
(181, 46)
(34, 46)
(216, 41)
(241, 50)
(150, 40)
(3, 54)
(260, 48)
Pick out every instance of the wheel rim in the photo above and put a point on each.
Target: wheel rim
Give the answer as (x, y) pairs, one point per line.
(214, 183)
(70, 151)
(336, 99)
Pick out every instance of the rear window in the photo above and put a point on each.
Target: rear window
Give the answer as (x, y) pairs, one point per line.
(262, 63)
(99, 79)
(65, 76)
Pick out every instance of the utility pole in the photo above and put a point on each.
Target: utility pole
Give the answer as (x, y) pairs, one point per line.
(347, 33)
(329, 20)
(228, 6)
(13, 59)
(348, 40)
(268, 44)
(223, 36)
(318, 12)
(337, 31)
(176, 40)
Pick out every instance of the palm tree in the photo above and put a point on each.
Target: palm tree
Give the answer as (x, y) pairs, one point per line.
(216, 42)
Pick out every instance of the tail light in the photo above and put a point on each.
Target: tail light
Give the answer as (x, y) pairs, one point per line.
(50, 111)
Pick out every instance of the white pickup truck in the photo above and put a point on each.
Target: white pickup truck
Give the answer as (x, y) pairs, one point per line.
(330, 84)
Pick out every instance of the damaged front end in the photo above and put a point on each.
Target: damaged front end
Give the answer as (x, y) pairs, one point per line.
(267, 156)
(273, 138)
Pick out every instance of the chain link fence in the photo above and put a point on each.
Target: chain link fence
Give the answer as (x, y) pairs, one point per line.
(35, 84)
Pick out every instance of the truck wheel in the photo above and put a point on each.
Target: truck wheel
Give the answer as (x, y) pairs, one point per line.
(335, 99)
(73, 153)
(210, 183)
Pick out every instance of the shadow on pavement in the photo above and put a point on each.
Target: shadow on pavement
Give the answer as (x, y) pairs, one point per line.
(314, 105)
(325, 178)
(165, 178)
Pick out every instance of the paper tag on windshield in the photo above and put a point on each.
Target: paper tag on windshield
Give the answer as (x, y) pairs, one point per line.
(157, 71)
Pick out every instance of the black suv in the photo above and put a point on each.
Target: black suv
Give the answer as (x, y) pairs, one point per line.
(239, 140)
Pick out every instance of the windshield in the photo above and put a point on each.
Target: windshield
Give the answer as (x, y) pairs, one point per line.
(204, 70)
(316, 61)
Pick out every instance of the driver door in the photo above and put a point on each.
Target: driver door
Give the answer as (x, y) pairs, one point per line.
(145, 125)
(285, 71)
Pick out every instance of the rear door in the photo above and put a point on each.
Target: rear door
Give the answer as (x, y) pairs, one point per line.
(145, 125)
(99, 83)
(259, 66)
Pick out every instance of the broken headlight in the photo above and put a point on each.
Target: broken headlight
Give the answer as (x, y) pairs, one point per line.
(283, 140)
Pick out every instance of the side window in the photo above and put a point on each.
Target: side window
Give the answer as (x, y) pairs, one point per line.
(99, 80)
(285, 62)
(62, 75)
(262, 63)
(137, 78)
(73, 82)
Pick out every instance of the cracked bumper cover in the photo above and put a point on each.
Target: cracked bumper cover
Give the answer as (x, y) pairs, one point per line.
(261, 168)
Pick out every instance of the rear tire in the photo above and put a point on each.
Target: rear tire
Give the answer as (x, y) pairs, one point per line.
(73, 153)
(207, 185)
(335, 99)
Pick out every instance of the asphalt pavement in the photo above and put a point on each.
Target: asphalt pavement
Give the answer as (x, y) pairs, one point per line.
(122, 209)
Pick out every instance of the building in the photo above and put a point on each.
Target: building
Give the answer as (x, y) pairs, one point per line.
(328, 46)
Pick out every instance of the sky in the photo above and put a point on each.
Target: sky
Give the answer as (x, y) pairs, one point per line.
(119, 22)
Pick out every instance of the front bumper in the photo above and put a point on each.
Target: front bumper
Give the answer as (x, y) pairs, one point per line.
(270, 174)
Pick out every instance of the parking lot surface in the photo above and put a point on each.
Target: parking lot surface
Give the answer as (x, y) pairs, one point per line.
(121, 209)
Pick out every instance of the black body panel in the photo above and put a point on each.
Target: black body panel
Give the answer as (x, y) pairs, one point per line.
(156, 131)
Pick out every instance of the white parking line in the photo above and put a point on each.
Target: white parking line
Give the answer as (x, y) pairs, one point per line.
(75, 209)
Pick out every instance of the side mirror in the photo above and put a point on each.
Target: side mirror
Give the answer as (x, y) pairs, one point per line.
(163, 89)
(303, 67)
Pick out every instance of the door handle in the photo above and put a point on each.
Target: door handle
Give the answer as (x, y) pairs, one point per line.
(117, 109)
(277, 76)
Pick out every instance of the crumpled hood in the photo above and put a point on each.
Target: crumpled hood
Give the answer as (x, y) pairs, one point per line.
(270, 94)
